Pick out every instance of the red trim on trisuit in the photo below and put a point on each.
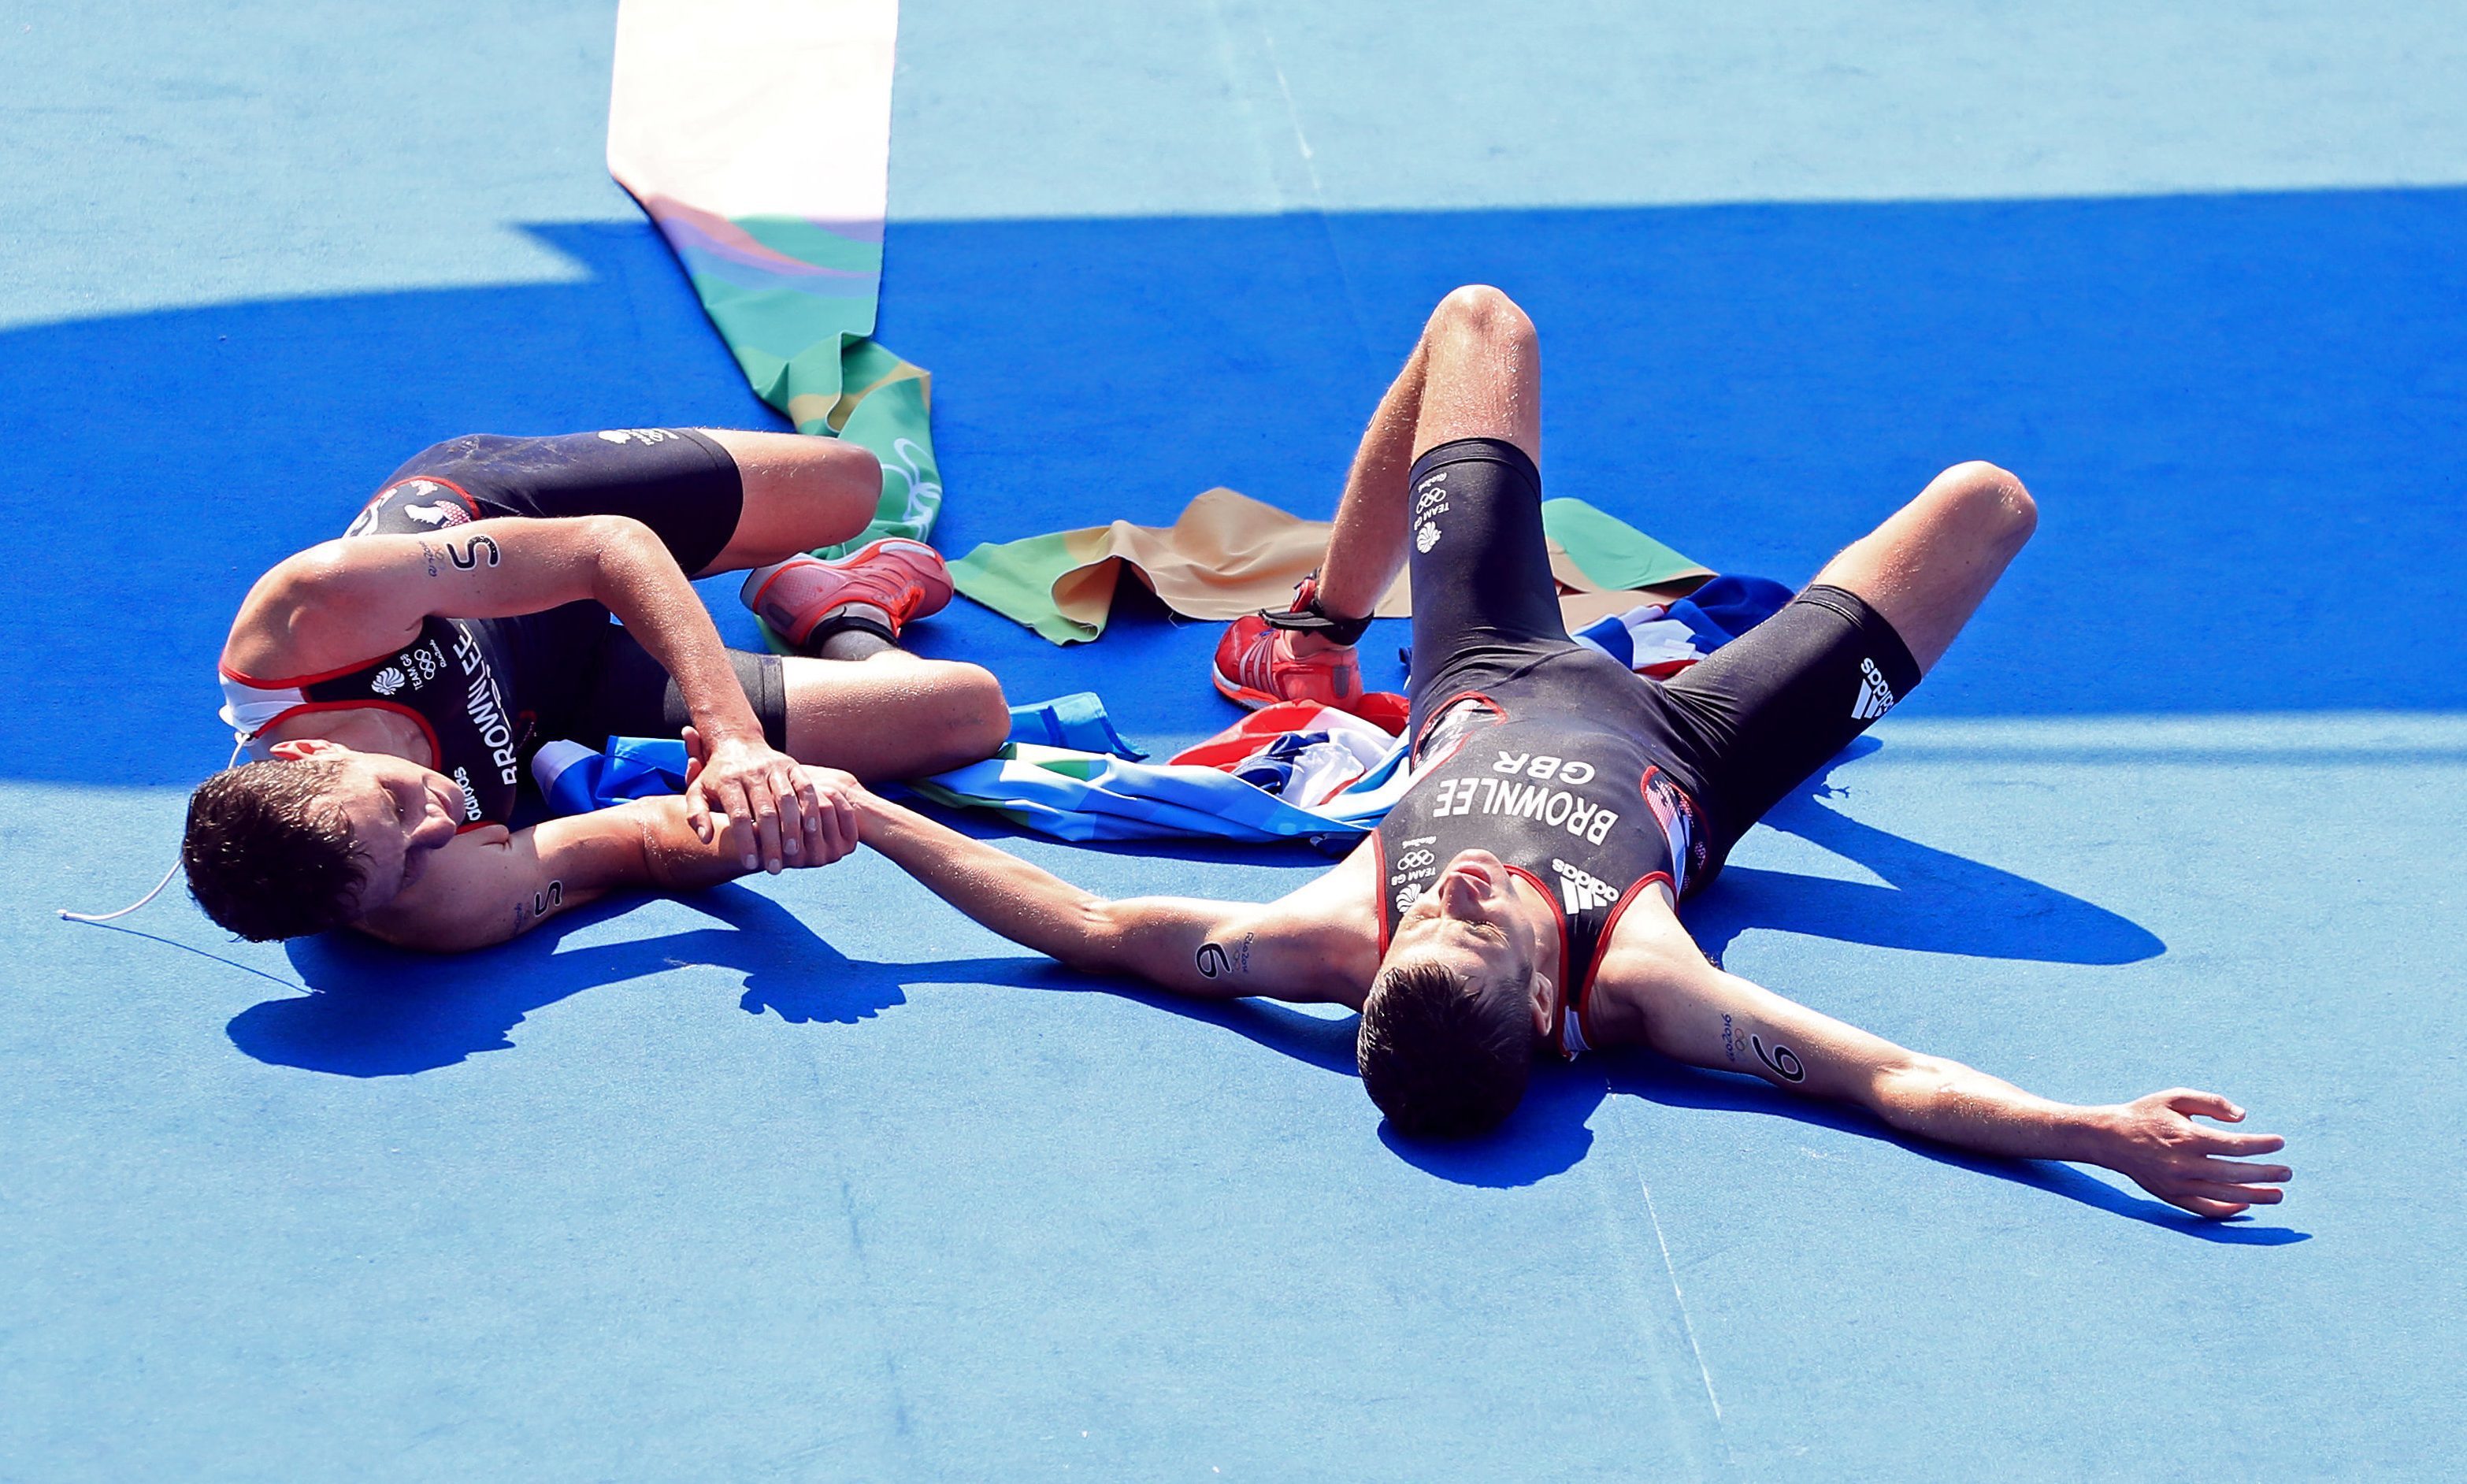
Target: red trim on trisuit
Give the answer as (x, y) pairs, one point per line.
(1443, 708)
(1584, 995)
(435, 752)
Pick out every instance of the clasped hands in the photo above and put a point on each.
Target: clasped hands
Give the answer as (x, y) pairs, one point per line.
(778, 812)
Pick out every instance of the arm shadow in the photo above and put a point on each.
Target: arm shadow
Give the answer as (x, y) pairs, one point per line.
(1544, 1137)
(1660, 1080)
(375, 1011)
(1934, 901)
(1548, 1133)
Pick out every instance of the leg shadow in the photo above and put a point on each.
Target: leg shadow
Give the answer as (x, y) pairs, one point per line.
(1934, 901)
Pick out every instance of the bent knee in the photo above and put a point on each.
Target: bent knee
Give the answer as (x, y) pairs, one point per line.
(973, 719)
(1481, 310)
(832, 490)
(1990, 501)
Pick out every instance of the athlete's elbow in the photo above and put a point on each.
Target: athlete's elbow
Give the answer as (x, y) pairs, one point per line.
(318, 586)
(619, 545)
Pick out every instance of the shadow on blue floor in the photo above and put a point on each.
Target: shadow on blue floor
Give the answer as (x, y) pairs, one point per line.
(2214, 378)
(375, 1011)
(1934, 901)
(1939, 902)
(379, 1012)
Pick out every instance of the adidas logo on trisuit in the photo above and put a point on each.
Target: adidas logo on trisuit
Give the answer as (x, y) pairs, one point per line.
(1875, 698)
(1583, 889)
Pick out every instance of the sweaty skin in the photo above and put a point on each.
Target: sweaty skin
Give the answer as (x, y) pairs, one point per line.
(748, 806)
(1475, 374)
(1654, 989)
(342, 600)
(433, 887)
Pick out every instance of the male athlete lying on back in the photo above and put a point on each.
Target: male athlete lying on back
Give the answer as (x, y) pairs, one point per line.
(390, 685)
(1523, 894)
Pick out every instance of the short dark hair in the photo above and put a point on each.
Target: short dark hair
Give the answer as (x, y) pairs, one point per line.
(267, 856)
(1443, 1055)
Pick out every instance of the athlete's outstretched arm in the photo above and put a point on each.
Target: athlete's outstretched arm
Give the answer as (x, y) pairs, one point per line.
(341, 601)
(490, 885)
(1699, 1014)
(1219, 950)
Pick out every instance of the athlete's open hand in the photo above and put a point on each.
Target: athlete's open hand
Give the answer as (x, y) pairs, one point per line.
(772, 807)
(2188, 1164)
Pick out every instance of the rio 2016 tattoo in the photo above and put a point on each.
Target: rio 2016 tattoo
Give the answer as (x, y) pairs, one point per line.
(1215, 958)
(469, 557)
(428, 553)
(1781, 1059)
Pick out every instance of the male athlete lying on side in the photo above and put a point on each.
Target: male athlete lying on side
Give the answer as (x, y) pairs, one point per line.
(1522, 896)
(390, 683)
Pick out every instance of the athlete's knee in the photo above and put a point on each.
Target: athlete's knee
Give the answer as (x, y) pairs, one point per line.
(1481, 312)
(801, 493)
(834, 490)
(1990, 503)
(973, 718)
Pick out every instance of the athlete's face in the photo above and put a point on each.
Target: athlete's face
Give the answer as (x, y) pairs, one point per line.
(401, 813)
(1475, 920)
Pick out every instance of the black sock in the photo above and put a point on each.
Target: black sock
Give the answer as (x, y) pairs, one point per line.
(848, 637)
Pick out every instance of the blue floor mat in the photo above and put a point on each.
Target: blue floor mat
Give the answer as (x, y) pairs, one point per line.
(810, 1178)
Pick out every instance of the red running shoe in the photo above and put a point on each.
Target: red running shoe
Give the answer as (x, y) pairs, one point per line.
(1255, 663)
(894, 577)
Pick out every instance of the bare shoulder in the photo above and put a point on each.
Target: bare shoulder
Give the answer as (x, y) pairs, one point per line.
(268, 636)
(1334, 917)
(1650, 964)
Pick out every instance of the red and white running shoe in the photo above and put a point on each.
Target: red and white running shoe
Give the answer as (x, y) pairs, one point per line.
(1255, 663)
(886, 583)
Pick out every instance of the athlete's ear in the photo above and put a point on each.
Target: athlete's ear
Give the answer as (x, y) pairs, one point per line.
(1546, 1006)
(304, 748)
